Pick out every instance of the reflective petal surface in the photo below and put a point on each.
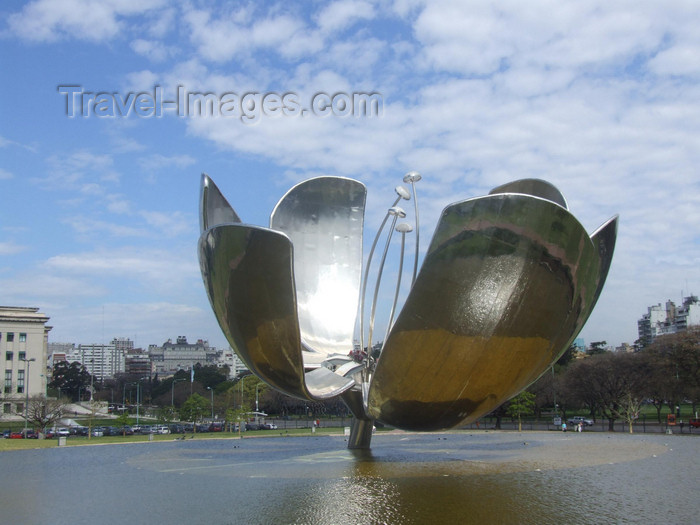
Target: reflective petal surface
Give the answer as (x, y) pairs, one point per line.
(534, 187)
(213, 207)
(324, 218)
(500, 295)
(247, 272)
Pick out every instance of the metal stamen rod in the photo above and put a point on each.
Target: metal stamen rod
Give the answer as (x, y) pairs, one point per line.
(413, 177)
(396, 212)
(402, 194)
(402, 228)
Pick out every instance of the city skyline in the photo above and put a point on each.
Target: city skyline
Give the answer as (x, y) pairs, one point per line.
(115, 110)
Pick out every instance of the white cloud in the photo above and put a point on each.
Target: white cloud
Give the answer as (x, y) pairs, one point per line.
(89, 228)
(170, 224)
(94, 20)
(157, 162)
(11, 248)
(340, 15)
(153, 50)
(220, 37)
(678, 60)
(160, 270)
(149, 322)
(73, 171)
(40, 285)
(5, 175)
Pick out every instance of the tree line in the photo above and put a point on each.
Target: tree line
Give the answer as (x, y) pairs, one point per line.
(615, 385)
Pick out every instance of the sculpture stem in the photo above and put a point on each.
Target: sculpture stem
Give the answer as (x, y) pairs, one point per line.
(398, 282)
(379, 278)
(366, 275)
(360, 433)
(415, 260)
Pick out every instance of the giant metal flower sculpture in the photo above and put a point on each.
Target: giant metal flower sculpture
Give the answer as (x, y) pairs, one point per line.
(505, 286)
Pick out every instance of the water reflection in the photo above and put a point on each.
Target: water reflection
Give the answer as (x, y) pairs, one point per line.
(485, 478)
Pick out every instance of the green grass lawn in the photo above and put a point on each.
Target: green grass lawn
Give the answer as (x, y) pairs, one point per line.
(71, 441)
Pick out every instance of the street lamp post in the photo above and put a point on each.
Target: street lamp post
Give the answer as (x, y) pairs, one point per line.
(26, 392)
(256, 397)
(138, 400)
(138, 397)
(172, 391)
(92, 375)
(212, 401)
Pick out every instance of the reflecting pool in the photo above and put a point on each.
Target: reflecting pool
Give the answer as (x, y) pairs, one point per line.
(480, 477)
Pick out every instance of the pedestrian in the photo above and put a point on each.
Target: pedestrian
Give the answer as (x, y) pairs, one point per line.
(580, 427)
(563, 427)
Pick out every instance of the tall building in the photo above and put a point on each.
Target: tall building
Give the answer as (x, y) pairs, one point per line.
(669, 319)
(100, 360)
(23, 351)
(181, 355)
(138, 363)
(234, 363)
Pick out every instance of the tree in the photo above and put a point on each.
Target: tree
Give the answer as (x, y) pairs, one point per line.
(211, 375)
(123, 420)
(613, 383)
(166, 414)
(521, 405)
(248, 388)
(597, 347)
(567, 356)
(238, 416)
(71, 378)
(677, 363)
(194, 408)
(43, 413)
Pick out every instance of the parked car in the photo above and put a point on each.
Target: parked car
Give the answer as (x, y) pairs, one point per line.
(160, 429)
(126, 430)
(580, 419)
(97, 432)
(177, 429)
(62, 431)
(6, 434)
(695, 423)
(16, 435)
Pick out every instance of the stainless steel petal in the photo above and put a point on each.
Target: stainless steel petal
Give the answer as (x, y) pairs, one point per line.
(504, 283)
(604, 243)
(535, 187)
(248, 275)
(324, 217)
(213, 207)
(604, 240)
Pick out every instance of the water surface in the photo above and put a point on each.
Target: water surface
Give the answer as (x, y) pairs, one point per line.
(486, 477)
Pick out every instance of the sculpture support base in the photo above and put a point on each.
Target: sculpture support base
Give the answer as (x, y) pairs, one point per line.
(360, 434)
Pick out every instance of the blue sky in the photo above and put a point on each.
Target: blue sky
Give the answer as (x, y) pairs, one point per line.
(99, 220)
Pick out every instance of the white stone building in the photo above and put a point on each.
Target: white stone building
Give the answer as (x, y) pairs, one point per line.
(181, 355)
(23, 353)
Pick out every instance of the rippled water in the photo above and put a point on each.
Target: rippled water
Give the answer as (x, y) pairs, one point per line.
(406, 478)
